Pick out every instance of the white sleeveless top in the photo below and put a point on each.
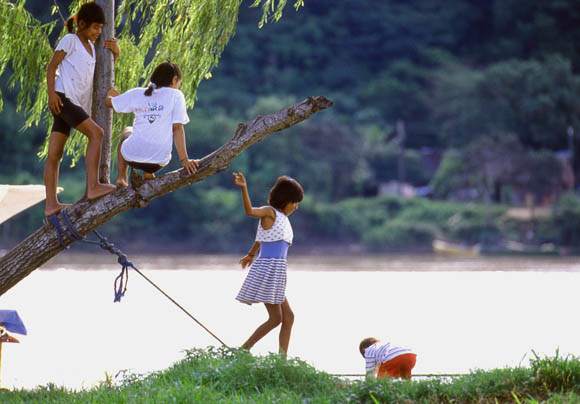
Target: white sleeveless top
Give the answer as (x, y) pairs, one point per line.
(280, 230)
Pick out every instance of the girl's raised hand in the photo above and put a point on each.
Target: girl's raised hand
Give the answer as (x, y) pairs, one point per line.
(54, 103)
(239, 179)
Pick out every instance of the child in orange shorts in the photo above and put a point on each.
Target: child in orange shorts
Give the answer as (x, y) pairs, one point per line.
(386, 360)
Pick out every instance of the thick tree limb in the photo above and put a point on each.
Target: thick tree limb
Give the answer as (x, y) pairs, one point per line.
(86, 215)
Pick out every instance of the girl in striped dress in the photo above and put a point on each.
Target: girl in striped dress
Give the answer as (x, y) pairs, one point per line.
(266, 279)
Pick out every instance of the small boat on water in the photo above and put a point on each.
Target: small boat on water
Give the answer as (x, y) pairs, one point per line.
(449, 248)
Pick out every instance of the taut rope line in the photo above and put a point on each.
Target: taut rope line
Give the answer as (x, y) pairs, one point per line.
(123, 278)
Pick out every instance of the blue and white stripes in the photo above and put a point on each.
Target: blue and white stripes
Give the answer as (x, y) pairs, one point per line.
(378, 353)
(265, 282)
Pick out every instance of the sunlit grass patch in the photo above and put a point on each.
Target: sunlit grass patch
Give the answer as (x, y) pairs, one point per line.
(224, 375)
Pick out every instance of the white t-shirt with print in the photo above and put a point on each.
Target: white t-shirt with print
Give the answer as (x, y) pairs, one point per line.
(74, 76)
(152, 138)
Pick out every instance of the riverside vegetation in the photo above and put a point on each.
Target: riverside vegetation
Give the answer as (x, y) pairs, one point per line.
(465, 77)
(226, 375)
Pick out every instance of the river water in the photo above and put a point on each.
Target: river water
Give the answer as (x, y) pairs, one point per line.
(457, 314)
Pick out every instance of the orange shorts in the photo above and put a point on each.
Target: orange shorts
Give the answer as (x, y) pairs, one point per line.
(400, 366)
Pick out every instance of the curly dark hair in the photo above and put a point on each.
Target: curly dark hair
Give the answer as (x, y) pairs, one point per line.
(365, 343)
(285, 191)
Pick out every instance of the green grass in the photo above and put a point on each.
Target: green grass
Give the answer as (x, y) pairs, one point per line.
(235, 376)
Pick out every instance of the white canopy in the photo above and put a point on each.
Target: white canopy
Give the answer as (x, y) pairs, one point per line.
(16, 198)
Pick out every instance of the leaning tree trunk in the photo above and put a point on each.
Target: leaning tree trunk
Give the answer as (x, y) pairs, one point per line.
(88, 215)
(104, 76)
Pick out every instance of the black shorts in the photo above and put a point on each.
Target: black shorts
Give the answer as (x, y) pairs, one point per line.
(147, 167)
(71, 116)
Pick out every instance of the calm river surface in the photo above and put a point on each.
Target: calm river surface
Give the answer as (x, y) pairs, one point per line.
(457, 314)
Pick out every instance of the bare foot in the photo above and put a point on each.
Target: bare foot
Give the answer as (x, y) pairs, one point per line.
(52, 209)
(122, 182)
(148, 176)
(100, 190)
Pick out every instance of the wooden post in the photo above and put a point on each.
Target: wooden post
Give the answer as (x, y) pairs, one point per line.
(4, 337)
(0, 365)
(104, 79)
(1, 327)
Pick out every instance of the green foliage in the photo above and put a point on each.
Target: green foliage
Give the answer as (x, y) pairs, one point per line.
(450, 175)
(388, 223)
(567, 219)
(534, 98)
(227, 376)
(556, 373)
(464, 78)
(271, 10)
(192, 34)
(496, 161)
(24, 46)
(399, 235)
(237, 371)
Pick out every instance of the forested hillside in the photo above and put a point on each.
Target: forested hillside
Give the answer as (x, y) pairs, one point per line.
(463, 76)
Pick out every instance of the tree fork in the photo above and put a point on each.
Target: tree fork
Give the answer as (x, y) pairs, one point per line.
(87, 215)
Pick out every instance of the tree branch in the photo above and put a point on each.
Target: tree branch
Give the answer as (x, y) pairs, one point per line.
(87, 215)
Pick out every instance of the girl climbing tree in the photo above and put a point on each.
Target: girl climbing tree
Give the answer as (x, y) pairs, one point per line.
(192, 34)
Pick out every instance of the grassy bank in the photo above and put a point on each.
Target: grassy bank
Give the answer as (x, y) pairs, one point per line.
(232, 376)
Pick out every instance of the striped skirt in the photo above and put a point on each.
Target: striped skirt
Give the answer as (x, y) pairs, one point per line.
(265, 282)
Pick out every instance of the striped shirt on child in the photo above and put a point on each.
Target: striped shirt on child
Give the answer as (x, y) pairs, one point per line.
(377, 354)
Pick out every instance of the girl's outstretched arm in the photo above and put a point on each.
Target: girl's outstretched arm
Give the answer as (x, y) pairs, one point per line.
(265, 212)
(113, 92)
(179, 140)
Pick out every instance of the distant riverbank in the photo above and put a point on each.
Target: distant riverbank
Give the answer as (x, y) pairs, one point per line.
(319, 260)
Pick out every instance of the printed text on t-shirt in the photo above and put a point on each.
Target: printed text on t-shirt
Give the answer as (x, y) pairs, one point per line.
(148, 111)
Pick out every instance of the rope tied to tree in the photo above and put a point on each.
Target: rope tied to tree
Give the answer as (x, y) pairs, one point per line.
(121, 281)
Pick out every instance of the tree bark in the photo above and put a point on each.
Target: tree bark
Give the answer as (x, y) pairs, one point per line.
(104, 76)
(87, 215)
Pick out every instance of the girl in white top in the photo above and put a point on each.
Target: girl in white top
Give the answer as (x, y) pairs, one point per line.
(266, 279)
(69, 79)
(160, 114)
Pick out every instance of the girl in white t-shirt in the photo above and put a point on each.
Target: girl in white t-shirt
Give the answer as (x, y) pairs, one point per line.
(160, 114)
(69, 79)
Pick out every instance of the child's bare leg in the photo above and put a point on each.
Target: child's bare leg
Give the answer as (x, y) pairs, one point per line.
(274, 319)
(148, 176)
(286, 328)
(56, 144)
(95, 189)
(122, 166)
